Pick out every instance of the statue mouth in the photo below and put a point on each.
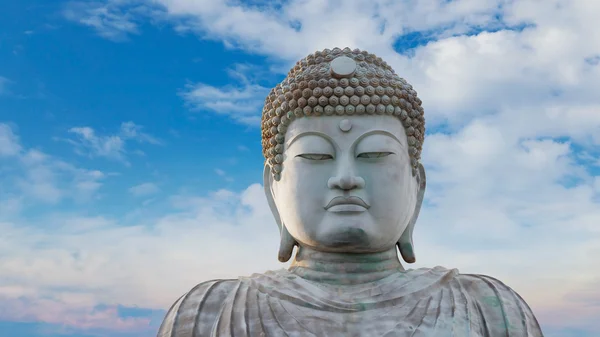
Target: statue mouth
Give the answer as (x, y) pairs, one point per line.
(347, 204)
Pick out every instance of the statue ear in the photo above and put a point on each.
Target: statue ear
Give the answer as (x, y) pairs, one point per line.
(405, 243)
(287, 243)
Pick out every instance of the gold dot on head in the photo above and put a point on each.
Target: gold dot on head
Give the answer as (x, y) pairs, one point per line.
(345, 125)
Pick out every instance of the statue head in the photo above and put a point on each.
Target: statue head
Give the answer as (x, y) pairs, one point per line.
(342, 138)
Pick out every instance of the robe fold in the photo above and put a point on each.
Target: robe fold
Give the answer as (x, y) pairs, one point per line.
(425, 302)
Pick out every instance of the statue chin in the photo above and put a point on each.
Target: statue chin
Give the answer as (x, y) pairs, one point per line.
(349, 239)
(346, 233)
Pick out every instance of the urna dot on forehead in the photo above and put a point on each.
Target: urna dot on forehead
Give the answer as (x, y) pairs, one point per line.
(345, 125)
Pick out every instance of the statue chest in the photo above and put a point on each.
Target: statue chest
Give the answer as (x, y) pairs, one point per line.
(250, 312)
(435, 304)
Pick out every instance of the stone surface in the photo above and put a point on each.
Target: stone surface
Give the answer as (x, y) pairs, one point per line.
(346, 191)
(312, 88)
(424, 302)
(345, 125)
(343, 66)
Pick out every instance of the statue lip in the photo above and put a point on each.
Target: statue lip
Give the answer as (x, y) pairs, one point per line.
(351, 200)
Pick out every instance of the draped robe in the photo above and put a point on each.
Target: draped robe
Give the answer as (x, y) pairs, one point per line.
(435, 302)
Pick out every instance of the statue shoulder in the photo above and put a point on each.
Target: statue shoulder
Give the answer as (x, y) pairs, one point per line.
(502, 310)
(201, 304)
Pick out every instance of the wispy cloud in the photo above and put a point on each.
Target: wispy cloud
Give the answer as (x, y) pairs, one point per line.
(50, 180)
(144, 190)
(130, 130)
(89, 143)
(242, 102)
(490, 192)
(102, 146)
(86, 317)
(37, 176)
(9, 142)
(97, 264)
(84, 261)
(224, 175)
(109, 19)
(474, 56)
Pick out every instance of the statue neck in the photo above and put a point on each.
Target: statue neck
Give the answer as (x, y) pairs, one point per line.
(345, 268)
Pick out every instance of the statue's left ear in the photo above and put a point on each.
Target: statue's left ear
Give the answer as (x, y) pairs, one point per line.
(287, 243)
(405, 244)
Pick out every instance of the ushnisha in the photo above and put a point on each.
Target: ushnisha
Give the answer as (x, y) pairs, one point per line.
(342, 138)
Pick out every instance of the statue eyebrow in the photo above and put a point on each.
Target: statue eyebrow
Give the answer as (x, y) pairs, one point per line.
(378, 132)
(311, 133)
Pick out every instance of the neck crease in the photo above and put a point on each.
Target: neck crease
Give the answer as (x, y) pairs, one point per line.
(345, 268)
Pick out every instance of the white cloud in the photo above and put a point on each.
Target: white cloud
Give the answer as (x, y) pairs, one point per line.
(129, 130)
(85, 261)
(597, 184)
(107, 146)
(496, 205)
(79, 262)
(89, 143)
(72, 320)
(458, 77)
(10, 205)
(107, 19)
(242, 103)
(9, 142)
(31, 176)
(144, 190)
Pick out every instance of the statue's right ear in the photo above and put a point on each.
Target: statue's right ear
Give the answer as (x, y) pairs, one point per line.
(268, 186)
(287, 243)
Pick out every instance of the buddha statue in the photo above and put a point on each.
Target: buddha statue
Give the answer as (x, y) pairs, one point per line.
(342, 137)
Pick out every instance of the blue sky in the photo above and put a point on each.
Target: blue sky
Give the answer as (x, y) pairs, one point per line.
(130, 159)
(63, 75)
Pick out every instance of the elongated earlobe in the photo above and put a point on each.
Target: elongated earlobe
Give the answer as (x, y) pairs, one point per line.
(287, 242)
(405, 246)
(286, 245)
(405, 243)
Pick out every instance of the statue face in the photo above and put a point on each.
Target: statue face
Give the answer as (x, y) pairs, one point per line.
(346, 184)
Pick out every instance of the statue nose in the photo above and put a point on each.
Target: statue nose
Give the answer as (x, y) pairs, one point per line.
(346, 182)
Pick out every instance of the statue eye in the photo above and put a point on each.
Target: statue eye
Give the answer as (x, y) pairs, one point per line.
(371, 155)
(315, 156)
